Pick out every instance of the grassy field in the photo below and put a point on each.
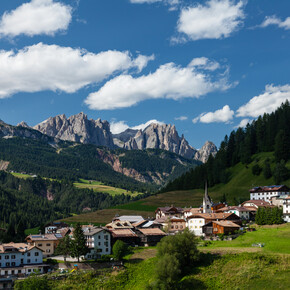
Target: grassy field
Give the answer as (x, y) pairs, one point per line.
(20, 175)
(276, 239)
(100, 187)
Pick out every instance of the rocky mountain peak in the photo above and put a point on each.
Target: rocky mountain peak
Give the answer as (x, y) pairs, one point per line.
(78, 128)
(206, 150)
(23, 124)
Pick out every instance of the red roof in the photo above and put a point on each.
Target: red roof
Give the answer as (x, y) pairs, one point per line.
(123, 233)
(152, 232)
(269, 188)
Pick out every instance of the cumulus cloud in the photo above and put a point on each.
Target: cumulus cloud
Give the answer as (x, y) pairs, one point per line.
(181, 118)
(118, 127)
(204, 63)
(169, 81)
(274, 20)
(121, 126)
(223, 115)
(52, 67)
(215, 19)
(267, 102)
(35, 18)
(243, 123)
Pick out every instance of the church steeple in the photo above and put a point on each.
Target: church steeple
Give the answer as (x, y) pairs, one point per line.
(206, 201)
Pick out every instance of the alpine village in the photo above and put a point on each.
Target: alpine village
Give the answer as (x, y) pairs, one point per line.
(144, 144)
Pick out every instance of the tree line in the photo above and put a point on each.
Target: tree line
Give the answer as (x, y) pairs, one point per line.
(269, 133)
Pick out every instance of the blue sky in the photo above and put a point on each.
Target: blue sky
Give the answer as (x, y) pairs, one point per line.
(205, 66)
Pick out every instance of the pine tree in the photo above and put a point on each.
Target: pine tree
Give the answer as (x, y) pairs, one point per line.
(64, 247)
(267, 169)
(78, 244)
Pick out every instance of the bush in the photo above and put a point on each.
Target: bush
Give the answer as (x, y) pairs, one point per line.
(120, 249)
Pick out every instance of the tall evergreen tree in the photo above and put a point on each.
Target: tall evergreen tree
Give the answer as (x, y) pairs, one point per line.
(282, 146)
(64, 247)
(78, 244)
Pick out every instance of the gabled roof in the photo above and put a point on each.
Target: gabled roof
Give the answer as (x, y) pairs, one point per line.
(226, 224)
(129, 218)
(257, 203)
(16, 247)
(170, 209)
(125, 233)
(45, 237)
(269, 188)
(214, 216)
(238, 208)
(152, 232)
(93, 231)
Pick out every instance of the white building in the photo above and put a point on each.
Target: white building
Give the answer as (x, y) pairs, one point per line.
(286, 209)
(98, 241)
(267, 192)
(242, 212)
(195, 224)
(19, 259)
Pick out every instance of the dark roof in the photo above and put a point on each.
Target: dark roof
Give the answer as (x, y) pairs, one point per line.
(170, 209)
(269, 188)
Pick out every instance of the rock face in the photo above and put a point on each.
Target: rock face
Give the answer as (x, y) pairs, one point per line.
(156, 136)
(23, 124)
(206, 150)
(78, 128)
(163, 137)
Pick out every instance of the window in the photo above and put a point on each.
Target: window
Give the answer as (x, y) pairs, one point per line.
(48, 251)
(28, 254)
(176, 227)
(28, 261)
(13, 263)
(107, 250)
(7, 264)
(36, 254)
(181, 227)
(99, 243)
(48, 245)
(13, 257)
(39, 245)
(106, 237)
(29, 270)
(6, 257)
(0, 257)
(106, 244)
(99, 237)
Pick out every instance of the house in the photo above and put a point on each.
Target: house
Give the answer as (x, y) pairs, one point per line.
(278, 200)
(51, 228)
(116, 224)
(147, 224)
(98, 241)
(126, 235)
(47, 243)
(20, 259)
(176, 224)
(150, 236)
(220, 227)
(196, 222)
(190, 211)
(168, 212)
(256, 204)
(286, 209)
(241, 212)
(266, 192)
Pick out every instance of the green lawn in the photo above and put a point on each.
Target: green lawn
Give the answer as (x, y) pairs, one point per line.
(20, 175)
(100, 187)
(276, 240)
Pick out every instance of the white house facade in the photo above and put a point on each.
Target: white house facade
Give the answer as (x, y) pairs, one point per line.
(286, 209)
(98, 241)
(267, 192)
(195, 224)
(18, 259)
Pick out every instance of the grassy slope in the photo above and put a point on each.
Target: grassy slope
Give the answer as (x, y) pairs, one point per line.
(100, 187)
(238, 187)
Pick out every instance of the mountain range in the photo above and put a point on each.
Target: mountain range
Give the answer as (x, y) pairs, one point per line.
(78, 128)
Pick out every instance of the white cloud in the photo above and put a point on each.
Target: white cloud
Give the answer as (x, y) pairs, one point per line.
(204, 63)
(121, 126)
(144, 1)
(36, 17)
(169, 81)
(243, 123)
(267, 102)
(214, 20)
(118, 127)
(51, 67)
(143, 126)
(181, 118)
(274, 20)
(223, 115)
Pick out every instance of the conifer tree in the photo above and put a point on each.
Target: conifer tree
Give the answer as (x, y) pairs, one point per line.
(78, 244)
(64, 247)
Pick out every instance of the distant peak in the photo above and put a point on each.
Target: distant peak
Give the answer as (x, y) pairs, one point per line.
(23, 124)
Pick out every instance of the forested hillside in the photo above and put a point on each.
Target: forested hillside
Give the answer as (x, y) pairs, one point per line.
(30, 202)
(269, 133)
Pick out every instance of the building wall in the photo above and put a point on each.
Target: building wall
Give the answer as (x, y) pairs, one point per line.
(195, 225)
(286, 211)
(266, 195)
(48, 247)
(245, 215)
(99, 244)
